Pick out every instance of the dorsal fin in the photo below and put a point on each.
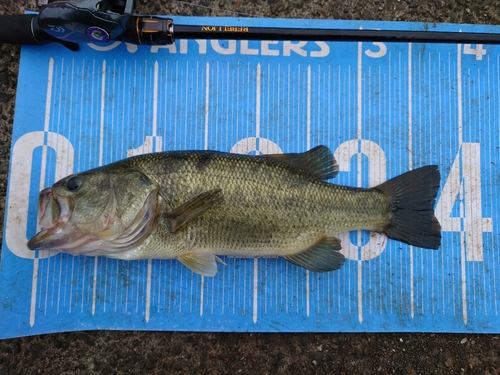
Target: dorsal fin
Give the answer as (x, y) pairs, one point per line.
(318, 162)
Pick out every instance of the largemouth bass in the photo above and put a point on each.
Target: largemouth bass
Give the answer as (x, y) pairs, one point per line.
(195, 205)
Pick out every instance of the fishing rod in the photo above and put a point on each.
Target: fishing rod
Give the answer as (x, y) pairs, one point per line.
(102, 21)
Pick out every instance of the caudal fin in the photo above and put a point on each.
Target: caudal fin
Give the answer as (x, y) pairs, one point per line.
(412, 196)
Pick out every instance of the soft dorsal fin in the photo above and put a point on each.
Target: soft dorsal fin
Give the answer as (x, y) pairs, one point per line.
(318, 162)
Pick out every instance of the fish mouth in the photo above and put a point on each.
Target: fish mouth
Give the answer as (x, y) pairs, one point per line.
(54, 212)
(56, 238)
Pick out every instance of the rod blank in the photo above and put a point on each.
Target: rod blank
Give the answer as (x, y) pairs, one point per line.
(350, 35)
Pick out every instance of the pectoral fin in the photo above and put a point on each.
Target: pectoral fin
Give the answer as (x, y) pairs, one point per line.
(203, 264)
(323, 256)
(193, 208)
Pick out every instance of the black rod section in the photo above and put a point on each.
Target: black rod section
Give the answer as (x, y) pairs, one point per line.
(23, 29)
(18, 29)
(350, 35)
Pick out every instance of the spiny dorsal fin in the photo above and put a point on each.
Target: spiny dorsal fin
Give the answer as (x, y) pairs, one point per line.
(318, 162)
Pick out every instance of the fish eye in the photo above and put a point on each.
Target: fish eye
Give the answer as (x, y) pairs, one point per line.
(74, 183)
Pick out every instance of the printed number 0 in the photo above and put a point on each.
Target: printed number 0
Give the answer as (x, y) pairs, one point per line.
(19, 184)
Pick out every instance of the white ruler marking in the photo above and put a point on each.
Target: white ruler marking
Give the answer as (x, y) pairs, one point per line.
(92, 154)
(207, 102)
(102, 112)
(82, 290)
(491, 195)
(215, 110)
(34, 282)
(105, 285)
(257, 100)
(155, 99)
(308, 146)
(459, 94)
(48, 103)
(440, 113)
(148, 290)
(360, 124)
(410, 164)
(160, 279)
(127, 286)
(308, 114)
(173, 114)
(59, 286)
(116, 286)
(255, 289)
(187, 104)
(463, 258)
(94, 285)
(155, 147)
(138, 285)
(450, 99)
(258, 85)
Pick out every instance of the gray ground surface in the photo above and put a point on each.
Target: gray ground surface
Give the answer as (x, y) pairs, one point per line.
(106, 352)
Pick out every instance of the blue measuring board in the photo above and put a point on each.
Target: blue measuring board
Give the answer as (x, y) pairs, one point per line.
(382, 108)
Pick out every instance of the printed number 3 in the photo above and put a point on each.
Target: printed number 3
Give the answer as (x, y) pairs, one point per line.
(382, 50)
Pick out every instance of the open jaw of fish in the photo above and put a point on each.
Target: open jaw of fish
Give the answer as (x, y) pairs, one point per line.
(105, 235)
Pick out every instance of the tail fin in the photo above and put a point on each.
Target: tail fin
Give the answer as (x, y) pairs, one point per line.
(413, 195)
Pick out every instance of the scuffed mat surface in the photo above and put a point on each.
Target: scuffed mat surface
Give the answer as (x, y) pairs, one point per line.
(382, 108)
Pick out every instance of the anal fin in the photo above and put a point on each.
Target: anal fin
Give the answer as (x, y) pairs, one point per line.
(323, 256)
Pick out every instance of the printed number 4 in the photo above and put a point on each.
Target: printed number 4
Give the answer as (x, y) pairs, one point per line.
(463, 186)
(479, 51)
